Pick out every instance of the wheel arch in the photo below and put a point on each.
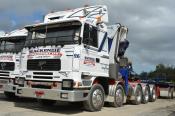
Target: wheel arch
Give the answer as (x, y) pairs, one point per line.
(103, 81)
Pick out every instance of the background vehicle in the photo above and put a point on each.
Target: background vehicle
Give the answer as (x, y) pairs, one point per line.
(11, 45)
(164, 88)
(74, 56)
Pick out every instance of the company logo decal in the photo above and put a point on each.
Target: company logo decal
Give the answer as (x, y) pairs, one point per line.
(45, 53)
(3, 65)
(89, 61)
(41, 63)
(9, 58)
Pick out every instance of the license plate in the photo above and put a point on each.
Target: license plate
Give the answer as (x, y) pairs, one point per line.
(39, 94)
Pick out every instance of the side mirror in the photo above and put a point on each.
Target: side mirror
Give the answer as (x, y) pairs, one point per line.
(122, 48)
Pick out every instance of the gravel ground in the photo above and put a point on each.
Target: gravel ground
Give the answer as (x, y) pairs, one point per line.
(30, 107)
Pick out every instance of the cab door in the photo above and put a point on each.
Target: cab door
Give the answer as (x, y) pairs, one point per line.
(91, 60)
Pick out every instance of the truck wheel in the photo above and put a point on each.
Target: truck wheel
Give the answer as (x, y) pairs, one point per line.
(138, 96)
(170, 94)
(46, 102)
(146, 95)
(153, 95)
(95, 98)
(9, 95)
(118, 97)
(172, 91)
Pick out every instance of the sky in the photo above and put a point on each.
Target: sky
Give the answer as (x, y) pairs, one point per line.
(150, 22)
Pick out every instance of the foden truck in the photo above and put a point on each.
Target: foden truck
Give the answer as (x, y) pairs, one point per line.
(74, 56)
(11, 45)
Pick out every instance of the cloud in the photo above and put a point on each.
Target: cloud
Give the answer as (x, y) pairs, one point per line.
(151, 24)
(2, 33)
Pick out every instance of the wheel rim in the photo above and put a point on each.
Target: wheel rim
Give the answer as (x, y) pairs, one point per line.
(97, 98)
(146, 95)
(138, 95)
(119, 96)
(154, 94)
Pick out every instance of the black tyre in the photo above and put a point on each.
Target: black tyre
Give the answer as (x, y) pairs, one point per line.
(95, 98)
(10, 95)
(46, 102)
(138, 96)
(146, 95)
(170, 94)
(172, 91)
(118, 97)
(153, 95)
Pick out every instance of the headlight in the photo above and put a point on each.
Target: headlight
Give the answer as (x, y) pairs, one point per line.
(67, 84)
(21, 81)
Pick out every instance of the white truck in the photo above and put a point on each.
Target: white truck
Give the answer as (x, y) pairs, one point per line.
(11, 45)
(74, 57)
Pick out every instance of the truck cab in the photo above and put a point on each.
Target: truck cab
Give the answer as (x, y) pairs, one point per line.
(11, 45)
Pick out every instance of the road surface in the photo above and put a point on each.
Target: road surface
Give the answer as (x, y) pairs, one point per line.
(30, 107)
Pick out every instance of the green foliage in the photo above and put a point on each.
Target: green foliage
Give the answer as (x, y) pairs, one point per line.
(161, 70)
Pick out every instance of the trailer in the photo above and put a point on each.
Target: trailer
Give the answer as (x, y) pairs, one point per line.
(74, 56)
(164, 88)
(11, 45)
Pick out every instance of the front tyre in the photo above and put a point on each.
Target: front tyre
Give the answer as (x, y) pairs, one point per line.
(95, 98)
(9, 95)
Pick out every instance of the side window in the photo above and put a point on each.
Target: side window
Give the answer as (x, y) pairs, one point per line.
(90, 36)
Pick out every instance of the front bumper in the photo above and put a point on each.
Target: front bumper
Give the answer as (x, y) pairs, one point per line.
(53, 94)
(10, 88)
(6, 86)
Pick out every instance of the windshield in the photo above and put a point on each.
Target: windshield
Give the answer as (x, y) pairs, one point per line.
(54, 36)
(11, 45)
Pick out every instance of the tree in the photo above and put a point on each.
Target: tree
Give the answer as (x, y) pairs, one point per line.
(143, 75)
(161, 71)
